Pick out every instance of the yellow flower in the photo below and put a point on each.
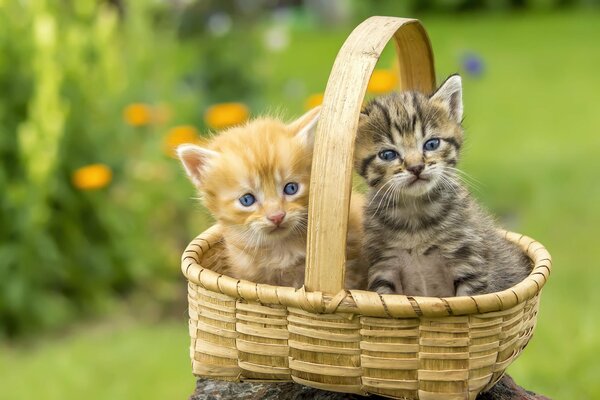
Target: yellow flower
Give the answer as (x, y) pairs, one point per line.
(382, 81)
(179, 135)
(93, 176)
(223, 115)
(314, 100)
(138, 114)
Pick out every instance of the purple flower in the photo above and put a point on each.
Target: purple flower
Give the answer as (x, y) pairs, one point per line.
(472, 64)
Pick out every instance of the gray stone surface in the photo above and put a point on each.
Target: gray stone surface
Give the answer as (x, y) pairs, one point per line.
(207, 389)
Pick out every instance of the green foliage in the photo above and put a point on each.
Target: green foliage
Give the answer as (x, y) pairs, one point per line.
(67, 72)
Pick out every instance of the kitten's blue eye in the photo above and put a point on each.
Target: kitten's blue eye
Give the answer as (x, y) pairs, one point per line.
(388, 155)
(431, 144)
(290, 188)
(247, 200)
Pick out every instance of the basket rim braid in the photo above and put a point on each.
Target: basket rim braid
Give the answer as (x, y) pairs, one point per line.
(356, 341)
(363, 302)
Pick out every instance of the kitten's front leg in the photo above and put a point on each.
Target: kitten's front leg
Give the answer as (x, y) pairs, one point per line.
(384, 276)
(462, 289)
(470, 279)
(468, 267)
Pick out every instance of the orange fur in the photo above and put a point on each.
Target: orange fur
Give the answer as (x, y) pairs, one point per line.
(260, 158)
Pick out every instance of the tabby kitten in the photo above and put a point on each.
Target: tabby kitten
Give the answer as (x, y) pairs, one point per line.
(254, 179)
(424, 234)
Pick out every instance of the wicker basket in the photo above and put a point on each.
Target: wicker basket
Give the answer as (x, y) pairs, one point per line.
(355, 341)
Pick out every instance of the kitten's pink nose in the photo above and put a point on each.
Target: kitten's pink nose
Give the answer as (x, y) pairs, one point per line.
(276, 218)
(416, 169)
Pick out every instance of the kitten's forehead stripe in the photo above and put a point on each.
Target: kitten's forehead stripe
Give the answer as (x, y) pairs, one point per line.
(401, 131)
(388, 123)
(385, 113)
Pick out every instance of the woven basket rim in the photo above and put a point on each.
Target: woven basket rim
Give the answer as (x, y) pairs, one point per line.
(364, 302)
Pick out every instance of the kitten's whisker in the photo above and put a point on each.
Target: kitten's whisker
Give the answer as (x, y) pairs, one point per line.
(381, 200)
(448, 184)
(388, 190)
(259, 241)
(460, 171)
(465, 182)
(299, 229)
(379, 190)
(444, 184)
(465, 177)
(397, 196)
(245, 239)
(302, 224)
(391, 196)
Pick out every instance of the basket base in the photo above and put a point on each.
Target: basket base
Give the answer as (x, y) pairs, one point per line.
(505, 389)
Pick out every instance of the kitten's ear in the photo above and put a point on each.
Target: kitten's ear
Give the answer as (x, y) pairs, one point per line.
(306, 125)
(194, 159)
(450, 95)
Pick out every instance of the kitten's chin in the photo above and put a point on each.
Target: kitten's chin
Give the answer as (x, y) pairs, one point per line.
(279, 232)
(418, 187)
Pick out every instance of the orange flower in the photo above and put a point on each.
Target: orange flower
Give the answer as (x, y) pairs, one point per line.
(179, 135)
(313, 100)
(382, 81)
(138, 114)
(223, 115)
(94, 176)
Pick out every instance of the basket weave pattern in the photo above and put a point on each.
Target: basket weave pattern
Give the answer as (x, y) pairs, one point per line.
(355, 341)
(246, 331)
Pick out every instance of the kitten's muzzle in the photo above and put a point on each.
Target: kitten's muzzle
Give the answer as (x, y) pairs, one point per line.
(416, 169)
(276, 218)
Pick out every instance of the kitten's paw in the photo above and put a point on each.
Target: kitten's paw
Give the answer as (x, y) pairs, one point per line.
(384, 291)
(382, 286)
(471, 288)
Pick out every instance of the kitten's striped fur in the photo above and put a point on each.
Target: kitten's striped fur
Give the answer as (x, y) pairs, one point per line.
(424, 233)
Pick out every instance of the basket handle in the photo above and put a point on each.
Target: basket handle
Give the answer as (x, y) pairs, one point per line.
(331, 179)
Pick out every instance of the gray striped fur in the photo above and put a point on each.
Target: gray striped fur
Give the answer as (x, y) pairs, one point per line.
(427, 236)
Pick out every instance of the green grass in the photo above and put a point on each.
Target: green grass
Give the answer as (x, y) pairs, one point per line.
(533, 126)
(118, 361)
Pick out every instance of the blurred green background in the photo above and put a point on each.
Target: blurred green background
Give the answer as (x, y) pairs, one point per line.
(95, 211)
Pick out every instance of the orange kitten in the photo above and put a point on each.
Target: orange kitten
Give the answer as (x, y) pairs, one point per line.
(254, 179)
